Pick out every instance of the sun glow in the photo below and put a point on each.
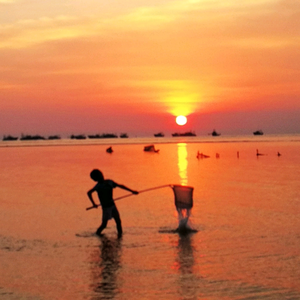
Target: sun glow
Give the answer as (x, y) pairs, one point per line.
(181, 120)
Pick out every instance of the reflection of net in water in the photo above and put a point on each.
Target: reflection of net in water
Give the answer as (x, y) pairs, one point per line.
(184, 203)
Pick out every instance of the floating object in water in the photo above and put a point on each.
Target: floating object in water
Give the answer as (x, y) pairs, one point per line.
(109, 150)
(258, 154)
(201, 155)
(150, 148)
(278, 154)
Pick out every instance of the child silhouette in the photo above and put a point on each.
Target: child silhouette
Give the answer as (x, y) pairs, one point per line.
(104, 189)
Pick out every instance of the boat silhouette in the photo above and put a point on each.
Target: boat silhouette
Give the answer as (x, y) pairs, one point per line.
(258, 132)
(159, 134)
(53, 137)
(78, 137)
(188, 133)
(150, 148)
(214, 133)
(102, 136)
(31, 137)
(9, 138)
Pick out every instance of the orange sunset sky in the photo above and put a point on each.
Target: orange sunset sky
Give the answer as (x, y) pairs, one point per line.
(132, 66)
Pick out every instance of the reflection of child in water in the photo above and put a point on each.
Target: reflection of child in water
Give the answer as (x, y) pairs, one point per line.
(104, 188)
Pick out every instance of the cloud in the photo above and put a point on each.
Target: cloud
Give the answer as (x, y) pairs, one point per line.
(26, 26)
(8, 1)
(27, 33)
(212, 54)
(249, 23)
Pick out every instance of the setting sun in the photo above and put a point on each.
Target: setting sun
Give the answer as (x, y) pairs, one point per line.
(181, 120)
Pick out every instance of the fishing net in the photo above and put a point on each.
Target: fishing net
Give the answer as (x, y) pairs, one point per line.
(183, 196)
(184, 203)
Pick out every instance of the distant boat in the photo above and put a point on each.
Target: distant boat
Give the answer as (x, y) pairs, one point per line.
(109, 136)
(78, 137)
(160, 134)
(31, 137)
(9, 138)
(188, 133)
(150, 148)
(54, 137)
(258, 132)
(102, 136)
(123, 135)
(214, 133)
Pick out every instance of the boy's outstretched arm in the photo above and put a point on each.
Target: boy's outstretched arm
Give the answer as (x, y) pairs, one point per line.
(127, 189)
(89, 193)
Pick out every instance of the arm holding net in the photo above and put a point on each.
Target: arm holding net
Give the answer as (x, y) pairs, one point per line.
(142, 191)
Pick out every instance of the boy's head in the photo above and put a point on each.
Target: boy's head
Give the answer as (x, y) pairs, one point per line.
(97, 175)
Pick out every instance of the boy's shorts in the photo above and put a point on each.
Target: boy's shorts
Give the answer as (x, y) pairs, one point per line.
(109, 213)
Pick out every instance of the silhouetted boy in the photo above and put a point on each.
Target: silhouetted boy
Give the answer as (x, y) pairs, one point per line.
(104, 188)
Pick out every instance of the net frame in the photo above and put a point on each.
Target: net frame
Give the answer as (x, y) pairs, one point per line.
(183, 196)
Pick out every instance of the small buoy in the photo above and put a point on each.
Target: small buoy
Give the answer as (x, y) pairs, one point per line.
(257, 153)
(109, 150)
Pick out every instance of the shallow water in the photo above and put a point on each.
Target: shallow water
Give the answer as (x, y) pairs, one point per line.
(245, 216)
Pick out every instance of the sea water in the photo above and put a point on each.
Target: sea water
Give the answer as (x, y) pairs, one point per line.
(245, 219)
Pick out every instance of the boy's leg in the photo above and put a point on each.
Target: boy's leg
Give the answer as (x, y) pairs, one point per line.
(117, 219)
(102, 226)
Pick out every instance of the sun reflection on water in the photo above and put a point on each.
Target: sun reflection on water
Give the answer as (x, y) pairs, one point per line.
(182, 163)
